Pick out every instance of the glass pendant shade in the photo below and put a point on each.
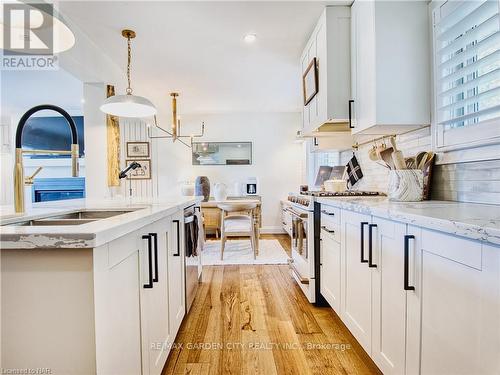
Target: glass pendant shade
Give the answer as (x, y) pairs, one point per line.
(128, 106)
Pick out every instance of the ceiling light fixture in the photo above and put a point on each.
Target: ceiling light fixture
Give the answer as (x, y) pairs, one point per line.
(250, 38)
(175, 132)
(128, 105)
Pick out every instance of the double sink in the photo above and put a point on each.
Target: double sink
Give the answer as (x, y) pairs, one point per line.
(73, 218)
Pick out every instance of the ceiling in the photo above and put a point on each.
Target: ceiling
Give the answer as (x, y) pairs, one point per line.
(197, 48)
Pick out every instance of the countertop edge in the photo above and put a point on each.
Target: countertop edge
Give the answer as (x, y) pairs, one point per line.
(80, 238)
(455, 227)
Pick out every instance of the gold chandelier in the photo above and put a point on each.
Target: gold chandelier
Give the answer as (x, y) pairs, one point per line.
(175, 131)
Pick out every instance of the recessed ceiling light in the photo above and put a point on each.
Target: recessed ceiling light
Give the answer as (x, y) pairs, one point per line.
(250, 38)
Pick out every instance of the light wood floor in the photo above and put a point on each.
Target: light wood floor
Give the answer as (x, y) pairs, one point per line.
(255, 320)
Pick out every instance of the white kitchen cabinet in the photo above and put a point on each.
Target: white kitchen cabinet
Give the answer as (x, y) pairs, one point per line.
(176, 289)
(389, 295)
(156, 332)
(390, 74)
(330, 268)
(140, 298)
(454, 325)
(330, 45)
(356, 294)
(117, 298)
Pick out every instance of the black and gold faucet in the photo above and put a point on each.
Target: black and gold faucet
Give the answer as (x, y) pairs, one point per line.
(19, 168)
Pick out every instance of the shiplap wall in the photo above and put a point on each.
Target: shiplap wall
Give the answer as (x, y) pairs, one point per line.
(135, 130)
(477, 182)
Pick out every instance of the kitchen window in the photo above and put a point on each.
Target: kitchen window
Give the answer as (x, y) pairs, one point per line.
(466, 43)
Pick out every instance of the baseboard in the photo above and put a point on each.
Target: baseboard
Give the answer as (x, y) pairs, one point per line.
(272, 230)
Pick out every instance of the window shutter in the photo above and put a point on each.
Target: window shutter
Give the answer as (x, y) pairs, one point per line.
(467, 62)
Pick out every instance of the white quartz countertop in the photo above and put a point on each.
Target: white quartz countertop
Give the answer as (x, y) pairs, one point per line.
(86, 235)
(470, 220)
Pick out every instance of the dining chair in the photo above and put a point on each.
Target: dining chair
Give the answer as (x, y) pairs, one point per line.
(237, 220)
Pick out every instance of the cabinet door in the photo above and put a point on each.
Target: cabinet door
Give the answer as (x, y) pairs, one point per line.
(176, 288)
(356, 278)
(330, 270)
(454, 320)
(389, 295)
(155, 312)
(363, 63)
(304, 62)
(118, 306)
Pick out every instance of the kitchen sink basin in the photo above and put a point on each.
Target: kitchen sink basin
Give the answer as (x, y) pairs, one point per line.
(91, 214)
(50, 222)
(72, 218)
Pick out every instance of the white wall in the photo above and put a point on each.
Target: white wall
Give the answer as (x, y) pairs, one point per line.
(276, 158)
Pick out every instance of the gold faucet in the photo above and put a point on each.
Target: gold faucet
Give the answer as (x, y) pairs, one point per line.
(19, 180)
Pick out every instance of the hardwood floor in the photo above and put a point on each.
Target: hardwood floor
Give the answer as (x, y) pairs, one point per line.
(255, 320)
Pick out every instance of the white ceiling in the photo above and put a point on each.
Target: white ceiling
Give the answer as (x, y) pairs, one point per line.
(197, 48)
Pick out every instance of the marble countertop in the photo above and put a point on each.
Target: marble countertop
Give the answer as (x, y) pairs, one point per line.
(86, 235)
(470, 220)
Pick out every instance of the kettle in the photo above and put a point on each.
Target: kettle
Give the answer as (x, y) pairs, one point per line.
(220, 192)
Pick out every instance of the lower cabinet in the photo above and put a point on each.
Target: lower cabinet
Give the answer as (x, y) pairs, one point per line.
(156, 332)
(330, 269)
(176, 269)
(454, 322)
(139, 298)
(356, 282)
(389, 310)
(418, 301)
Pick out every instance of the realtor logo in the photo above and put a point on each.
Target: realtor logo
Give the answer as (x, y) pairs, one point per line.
(28, 29)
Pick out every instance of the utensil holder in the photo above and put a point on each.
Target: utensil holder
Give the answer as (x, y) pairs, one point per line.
(406, 185)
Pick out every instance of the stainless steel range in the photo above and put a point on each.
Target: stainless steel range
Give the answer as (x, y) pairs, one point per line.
(306, 227)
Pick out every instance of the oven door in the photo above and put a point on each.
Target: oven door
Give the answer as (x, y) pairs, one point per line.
(302, 243)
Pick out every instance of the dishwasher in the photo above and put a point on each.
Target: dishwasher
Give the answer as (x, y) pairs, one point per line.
(192, 252)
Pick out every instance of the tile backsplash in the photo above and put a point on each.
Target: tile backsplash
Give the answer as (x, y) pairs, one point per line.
(477, 182)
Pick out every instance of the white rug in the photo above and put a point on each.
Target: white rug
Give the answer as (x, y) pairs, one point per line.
(240, 252)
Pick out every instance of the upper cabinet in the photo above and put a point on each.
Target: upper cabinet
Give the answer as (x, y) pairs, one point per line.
(390, 66)
(325, 65)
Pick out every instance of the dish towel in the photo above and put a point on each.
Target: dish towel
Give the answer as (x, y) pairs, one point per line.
(354, 173)
(191, 237)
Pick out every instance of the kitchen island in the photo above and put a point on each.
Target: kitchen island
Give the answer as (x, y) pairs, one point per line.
(93, 287)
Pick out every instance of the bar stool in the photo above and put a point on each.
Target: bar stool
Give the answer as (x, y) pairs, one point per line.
(237, 220)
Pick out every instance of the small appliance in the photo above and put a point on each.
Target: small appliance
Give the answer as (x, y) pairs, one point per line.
(251, 186)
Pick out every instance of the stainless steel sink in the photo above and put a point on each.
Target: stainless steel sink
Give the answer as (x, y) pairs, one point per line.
(91, 214)
(49, 222)
(73, 218)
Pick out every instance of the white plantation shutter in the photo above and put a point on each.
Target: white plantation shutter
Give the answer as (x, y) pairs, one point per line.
(466, 63)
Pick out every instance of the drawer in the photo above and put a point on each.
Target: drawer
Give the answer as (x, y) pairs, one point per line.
(330, 214)
(331, 231)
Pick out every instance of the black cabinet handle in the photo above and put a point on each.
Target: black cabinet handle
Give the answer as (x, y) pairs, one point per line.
(155, 241)
(406, 285)
(328, 230)
(177, 222)
(315, 141)
(150, 263)
(363, 241)
(350, 113)
(370, 245)
(328, 213)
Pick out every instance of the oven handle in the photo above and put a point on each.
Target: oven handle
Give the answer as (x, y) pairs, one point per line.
(302, 280)
(299, 216)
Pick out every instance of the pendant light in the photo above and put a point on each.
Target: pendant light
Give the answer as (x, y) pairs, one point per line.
(128, 105)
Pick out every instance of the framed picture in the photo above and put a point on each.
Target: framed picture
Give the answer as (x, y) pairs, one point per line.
(141, 173)
(138, 149)
(310, 81)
